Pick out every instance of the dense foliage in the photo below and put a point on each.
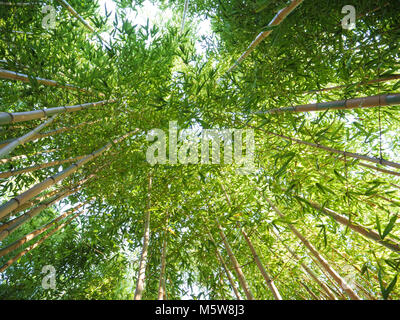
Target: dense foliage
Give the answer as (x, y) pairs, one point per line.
(157, 75)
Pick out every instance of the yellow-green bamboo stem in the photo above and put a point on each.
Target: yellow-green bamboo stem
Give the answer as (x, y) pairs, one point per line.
(281, 15)
(11, 75)
(11, 173)
(307, 269)
(146, 238)
(236, 266)
(35, 245)
(269, 281)
(356, 103)
(11, 146)
(161, 283)
(343, 153)
(364, 231)
(358, 84)
(324, 263)
(226, 269)
(17, 201)
(6, 117)
(18, 243)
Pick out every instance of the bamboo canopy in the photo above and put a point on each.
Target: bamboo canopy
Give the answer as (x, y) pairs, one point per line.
(296, 215)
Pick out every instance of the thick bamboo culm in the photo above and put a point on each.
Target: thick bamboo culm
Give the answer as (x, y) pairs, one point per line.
(11, 173)
(7, 118)
(356, 103)
(43, 200)
(21, 140)
(364, 231)
(36, 244)
(324, 263)
(17, 201)
(225, 267)
(358, 84)
(280, 16)
(12, 225)
(140, 283)
(236, 266)
(311, 273)
(343, 153)
(269, 281)
(185, 9)
(161, 282)
(12, 75)
(18, 243)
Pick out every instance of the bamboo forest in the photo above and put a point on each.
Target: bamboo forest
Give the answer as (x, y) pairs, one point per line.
(199, 150)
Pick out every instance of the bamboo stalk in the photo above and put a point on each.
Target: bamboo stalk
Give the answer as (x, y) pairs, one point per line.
(12, 173)
(73, 12)
(356, 103)
(236, 266)
(309, 290)
(146, 237)
(35, 245)
(307, 269)
(12, 225)
(358, 84)
(21, 140)
(11, 75)
(280, 16)
(49, 133)
(6, 117)
(393, 173)
(324, 263)
(364, 231)
(18, 4)
(343, 153)
(226, 269)
(267, 278)
(67, 6)
(184, 14)
(5, 160)
(17, 201)
(161, 284)
(18, 243)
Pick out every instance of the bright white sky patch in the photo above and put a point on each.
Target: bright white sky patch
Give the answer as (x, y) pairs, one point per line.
(156, 16)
